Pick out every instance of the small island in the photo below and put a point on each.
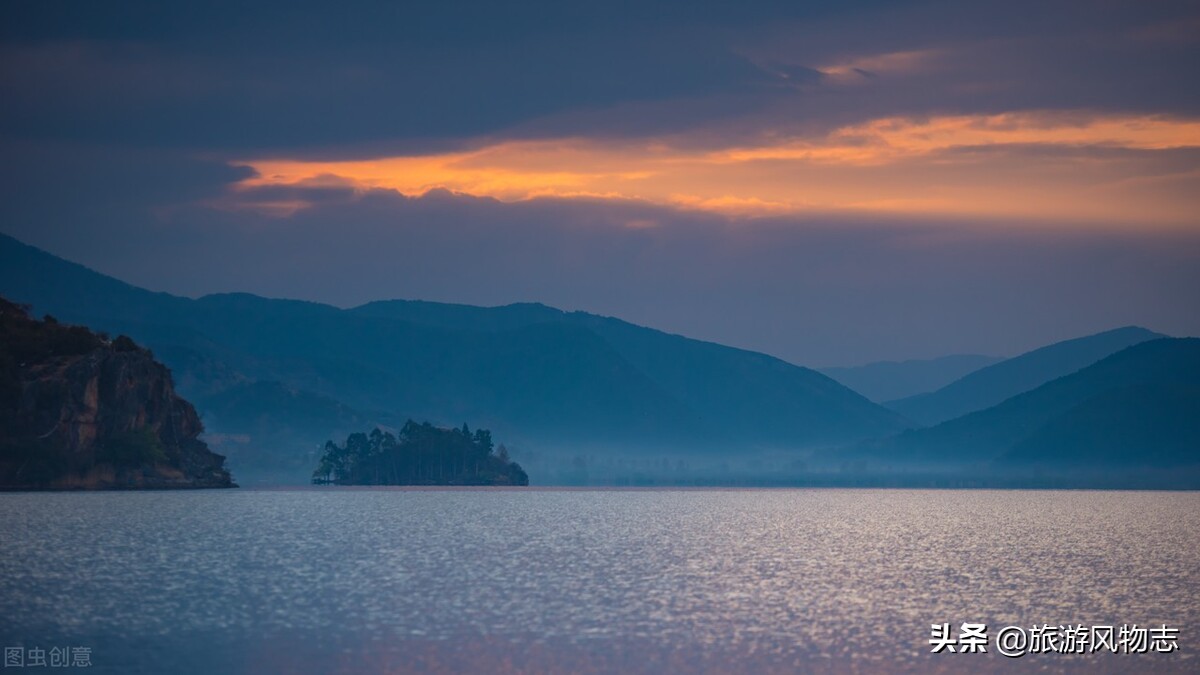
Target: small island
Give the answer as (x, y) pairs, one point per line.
(79, 411)
(421, 454)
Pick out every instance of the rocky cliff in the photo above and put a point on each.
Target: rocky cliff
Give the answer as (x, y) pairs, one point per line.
(79, 411)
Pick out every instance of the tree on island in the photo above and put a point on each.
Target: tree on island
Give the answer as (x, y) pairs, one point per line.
(421, 454)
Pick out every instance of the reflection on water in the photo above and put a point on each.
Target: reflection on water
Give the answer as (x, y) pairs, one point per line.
(540, 580)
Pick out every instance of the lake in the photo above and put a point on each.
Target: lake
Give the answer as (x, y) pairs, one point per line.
(345, 580)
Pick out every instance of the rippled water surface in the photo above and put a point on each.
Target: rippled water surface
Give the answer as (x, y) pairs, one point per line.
(389, 580)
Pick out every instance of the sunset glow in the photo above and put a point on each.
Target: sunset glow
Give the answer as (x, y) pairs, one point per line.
(1052, 165)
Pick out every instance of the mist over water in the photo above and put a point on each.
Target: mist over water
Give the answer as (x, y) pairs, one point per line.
(394, 580)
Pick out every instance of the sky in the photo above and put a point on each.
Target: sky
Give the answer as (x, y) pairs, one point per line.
(832, 183)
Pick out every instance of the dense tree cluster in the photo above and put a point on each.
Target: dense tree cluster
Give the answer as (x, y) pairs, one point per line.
(421, 454)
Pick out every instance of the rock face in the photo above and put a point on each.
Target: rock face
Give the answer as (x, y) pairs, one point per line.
(80, 412)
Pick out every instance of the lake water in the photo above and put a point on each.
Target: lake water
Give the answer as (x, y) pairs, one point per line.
(344, 580)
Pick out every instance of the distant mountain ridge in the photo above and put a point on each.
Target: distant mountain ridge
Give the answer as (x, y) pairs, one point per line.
(890, 380)
(531, 373)
(992, 384)
(1136, 409)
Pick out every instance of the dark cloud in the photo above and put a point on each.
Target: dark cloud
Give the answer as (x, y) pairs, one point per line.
(797, 75)
(48, 181)
(298, 77)
(288, 75)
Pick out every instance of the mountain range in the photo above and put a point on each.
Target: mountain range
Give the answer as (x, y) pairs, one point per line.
(993, 384)
(1132, 414)
(581, 398)
(270, 376)
(891, 380)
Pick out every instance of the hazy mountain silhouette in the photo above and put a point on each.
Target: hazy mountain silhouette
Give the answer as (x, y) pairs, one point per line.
(265, 406)
(891, 380)
(992, 384)
(529, 372)
(685, 370)
(1138, 408)
(1137, 425)
(251, 422)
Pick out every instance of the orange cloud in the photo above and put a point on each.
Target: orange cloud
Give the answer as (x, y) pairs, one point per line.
(942, 165)
(892, 139)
